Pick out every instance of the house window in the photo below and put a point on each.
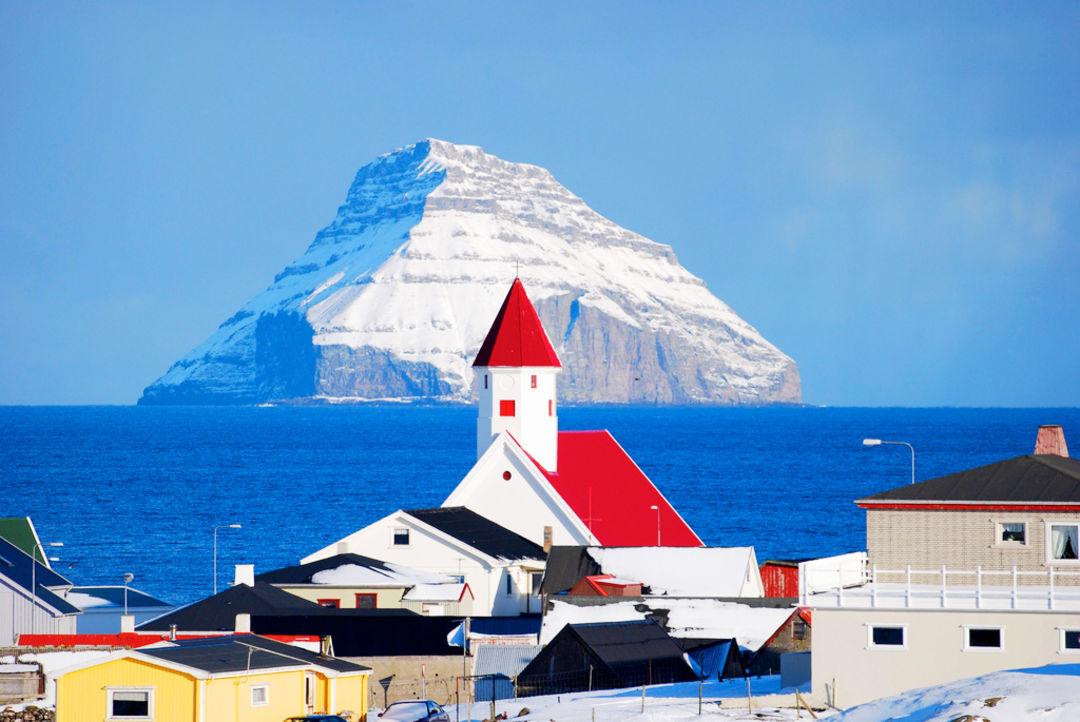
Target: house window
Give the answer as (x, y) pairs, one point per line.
(131, 703)
(1012, 533)
(990, 639)
(535, 580)
(1070, 641)
(532, 381)
(887, 636)
(506, 407)
(367, 600)
(798, 630)
(1063, 542)
(260, 695)
(509, 586)
(401, 537)
(331, 603)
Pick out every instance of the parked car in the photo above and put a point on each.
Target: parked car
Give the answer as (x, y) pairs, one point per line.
(417, 710)
(318, 718)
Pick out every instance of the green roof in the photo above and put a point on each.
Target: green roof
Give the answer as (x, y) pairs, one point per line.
(20, 532)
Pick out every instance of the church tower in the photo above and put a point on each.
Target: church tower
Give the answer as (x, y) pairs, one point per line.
(516, 369)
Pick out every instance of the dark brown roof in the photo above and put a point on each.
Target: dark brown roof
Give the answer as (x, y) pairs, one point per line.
(1042, 478)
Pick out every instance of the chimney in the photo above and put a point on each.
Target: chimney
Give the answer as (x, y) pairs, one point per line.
(243, 623)
(343, 547)
(245, 574)
(172, 632)
(547, 538)
(1051, 440)
(127, 624)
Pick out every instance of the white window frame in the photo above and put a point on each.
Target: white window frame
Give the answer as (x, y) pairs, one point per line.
(393, 536)
(885, 625)
(1050, 524)
(265, 689)
(1061, 640)
(999, 529)
(968, 628)
(111, 691)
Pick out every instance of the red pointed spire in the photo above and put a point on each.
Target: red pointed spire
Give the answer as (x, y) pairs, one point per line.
(516, 337)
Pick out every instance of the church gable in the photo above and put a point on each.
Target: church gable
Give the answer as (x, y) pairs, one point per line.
(507, 486)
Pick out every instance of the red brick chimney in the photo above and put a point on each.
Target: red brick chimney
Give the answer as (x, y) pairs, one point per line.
(1051, 440)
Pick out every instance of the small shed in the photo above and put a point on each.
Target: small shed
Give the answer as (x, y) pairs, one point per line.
(780, 577)
(606, 655)
(496, 667)
(605, 585)
(791, 636)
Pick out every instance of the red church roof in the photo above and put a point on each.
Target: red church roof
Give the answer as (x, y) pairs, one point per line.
(517, 337)
(612, 496)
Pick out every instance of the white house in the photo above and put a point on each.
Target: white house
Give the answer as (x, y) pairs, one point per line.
(967, 574)
(31, 597)
(502, 569)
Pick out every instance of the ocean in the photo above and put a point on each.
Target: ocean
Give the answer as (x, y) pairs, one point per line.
(140, 489)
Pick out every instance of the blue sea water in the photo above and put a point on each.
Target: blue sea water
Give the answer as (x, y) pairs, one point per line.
(140, 489)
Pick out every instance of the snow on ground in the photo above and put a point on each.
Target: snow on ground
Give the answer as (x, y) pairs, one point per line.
(666, 702)
(1039, 694)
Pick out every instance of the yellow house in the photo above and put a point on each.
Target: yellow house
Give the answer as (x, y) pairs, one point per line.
(242, 678)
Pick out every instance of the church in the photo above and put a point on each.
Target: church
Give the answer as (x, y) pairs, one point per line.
(532, 487)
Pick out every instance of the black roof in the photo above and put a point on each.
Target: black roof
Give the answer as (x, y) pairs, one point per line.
(302, 573)
(19, 567)
(240, 652)
(626, 642)
(1024, 479)
(565, 567)
(478, 532)
(218, 613)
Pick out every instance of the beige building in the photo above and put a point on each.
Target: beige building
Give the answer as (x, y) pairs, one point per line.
(966, 574)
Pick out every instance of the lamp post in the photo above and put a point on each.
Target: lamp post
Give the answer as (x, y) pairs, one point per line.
(655, 508)
(220, 526)
(33, 581)
(879, 442)
(128, 576)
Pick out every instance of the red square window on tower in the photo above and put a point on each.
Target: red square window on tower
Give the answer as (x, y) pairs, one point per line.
(506, 407)
(532, 381)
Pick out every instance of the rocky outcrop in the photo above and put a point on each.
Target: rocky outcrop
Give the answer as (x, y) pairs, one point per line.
(393, 298)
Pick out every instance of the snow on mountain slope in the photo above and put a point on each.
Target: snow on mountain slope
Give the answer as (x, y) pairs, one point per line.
(393, 298)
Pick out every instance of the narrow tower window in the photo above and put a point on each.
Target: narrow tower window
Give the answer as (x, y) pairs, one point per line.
(551, 406)
(532, 381)
(485, 381)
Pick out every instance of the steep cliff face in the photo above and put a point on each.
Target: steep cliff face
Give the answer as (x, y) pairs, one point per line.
(393, 298)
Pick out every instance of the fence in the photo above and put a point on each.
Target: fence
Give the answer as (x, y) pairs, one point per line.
(945, 588)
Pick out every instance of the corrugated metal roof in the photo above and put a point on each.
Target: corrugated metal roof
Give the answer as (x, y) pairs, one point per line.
(505, 659)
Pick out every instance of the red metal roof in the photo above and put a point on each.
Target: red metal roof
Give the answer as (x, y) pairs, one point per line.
(132, 640)
(612, 496)
(517, 337)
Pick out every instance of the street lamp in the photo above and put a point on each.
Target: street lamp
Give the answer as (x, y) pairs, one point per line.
(128, 576)
(33, 581)
(879, 442)
(655, 508)
(220, 526)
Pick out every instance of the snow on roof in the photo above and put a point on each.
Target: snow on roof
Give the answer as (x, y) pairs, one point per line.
(435, 593)
(686, 618)
(354, 575)
(86, 601)
(680, 571)
(612, 496)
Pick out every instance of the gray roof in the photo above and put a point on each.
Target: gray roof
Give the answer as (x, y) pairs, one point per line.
(217, 655)
(26, 572)
(479, 532)
(218, 613)
(504, 659)
(1041, 478)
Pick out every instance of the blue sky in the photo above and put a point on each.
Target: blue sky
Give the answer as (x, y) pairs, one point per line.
(889, 193)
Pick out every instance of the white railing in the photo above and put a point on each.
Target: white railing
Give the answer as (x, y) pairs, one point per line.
(942, 588)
